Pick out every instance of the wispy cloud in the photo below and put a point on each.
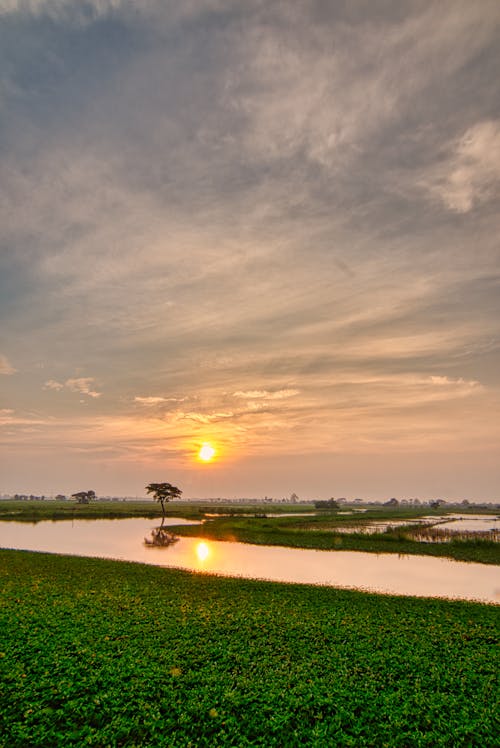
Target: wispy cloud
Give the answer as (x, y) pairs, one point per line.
(471, 173)
(156, 400)
(266, 395)
(60, 10)
(51, 384)
(203, 418)
(81, 385)
(5, 366)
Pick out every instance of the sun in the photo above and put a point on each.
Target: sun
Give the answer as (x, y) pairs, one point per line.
(206, 453)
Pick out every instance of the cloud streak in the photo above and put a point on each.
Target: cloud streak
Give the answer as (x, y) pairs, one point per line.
(80, 385)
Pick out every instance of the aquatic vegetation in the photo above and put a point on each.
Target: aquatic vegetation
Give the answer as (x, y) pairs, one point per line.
(104, 653)
(446, 535)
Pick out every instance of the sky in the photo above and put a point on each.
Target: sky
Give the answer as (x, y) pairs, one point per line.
(268, 226)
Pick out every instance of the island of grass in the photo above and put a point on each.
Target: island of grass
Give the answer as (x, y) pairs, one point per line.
(252, 524)
(105, 653)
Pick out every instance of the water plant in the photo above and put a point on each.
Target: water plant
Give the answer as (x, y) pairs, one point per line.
(109, 654)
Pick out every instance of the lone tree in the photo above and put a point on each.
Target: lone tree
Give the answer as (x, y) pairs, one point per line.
(83, 497)
(164, 492)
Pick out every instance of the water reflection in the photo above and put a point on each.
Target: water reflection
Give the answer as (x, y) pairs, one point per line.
(161, 538)
(123, 539)
(473, 523)
(260, 515)
(202, 551)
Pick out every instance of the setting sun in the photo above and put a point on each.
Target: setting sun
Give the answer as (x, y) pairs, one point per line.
(202, 551)
(206, 453)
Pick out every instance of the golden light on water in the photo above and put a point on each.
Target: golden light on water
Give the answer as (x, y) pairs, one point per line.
(202, 551)
(207, 452)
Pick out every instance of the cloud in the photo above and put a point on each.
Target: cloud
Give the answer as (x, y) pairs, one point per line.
(443, 381)
(302, 93)
(81, 385)
(471, 173)
(51, 384)
(157, 400)
(83, 13)
(265, 394)
(202, 418)
(149, 400)
(12, 418)
(5, 366)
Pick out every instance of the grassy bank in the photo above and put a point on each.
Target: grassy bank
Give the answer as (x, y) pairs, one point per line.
(37, 511)
(104, 653)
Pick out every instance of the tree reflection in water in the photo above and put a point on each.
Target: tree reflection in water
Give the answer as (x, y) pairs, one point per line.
(161, 537)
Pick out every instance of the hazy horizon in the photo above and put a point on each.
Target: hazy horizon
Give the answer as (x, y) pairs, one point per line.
(268, 227)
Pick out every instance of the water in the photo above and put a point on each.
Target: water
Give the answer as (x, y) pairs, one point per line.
(470, 523)
(451, 523)
(257, 514)
(385, 573)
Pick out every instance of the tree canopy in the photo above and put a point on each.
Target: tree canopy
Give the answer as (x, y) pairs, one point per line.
(83, 497)
(164, 492)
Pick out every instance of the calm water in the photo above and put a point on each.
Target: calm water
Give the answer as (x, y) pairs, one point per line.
(470, 523)
(124, 539)
(451, 523)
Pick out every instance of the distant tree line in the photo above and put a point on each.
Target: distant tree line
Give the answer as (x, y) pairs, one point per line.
(326, 504)
(27, 497)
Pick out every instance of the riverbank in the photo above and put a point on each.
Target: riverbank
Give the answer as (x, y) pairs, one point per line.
(106, 653)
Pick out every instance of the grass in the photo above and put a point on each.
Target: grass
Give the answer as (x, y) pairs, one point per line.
(297, 532)
(36, 511)
(103, 653)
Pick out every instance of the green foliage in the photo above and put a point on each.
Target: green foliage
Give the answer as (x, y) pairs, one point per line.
(328, 504)
(164, 492)
(103, 653)
(83, 497)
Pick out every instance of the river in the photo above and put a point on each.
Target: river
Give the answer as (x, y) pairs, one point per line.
(123, 539)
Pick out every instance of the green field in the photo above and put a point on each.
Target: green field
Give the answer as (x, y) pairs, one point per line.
(105, 653)
(297, 532)
(35, 511)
